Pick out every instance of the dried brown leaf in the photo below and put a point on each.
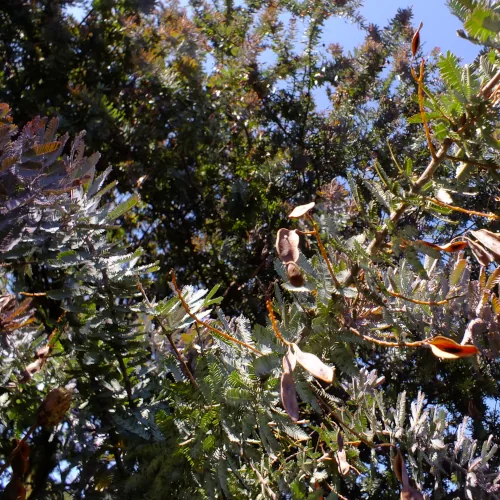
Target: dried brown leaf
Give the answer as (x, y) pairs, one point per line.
(287, 245)
(301, 210)
(314, 365)
(289, 396)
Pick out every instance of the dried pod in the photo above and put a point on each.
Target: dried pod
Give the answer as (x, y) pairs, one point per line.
(342, 463)
(314, 365)
(294, 274)
(301, 210)
(289, 361)
(341, 457)
(19, 461)
(449, 247)
(400, 469)
(287, 245)
(15, 490)
(489, 240)
(445, 348)
(411, 494)
(31, 369)
(289, 396)
(54, 407)
(415, 42)
(480, 253)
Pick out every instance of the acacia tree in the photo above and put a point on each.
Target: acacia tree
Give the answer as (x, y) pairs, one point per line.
(375, 368)
(216, 107)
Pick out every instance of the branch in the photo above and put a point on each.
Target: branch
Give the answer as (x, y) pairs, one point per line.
(204, 323)
(274, 325)
(385, 343)
(168, 334)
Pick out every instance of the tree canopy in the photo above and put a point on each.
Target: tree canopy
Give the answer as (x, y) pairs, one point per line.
(212, 287)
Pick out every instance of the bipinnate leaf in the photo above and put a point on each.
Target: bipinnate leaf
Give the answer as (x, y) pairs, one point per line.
(314, 365)
(289, 396)
(287, 245)
(48, 147)
(480, 253)
(489, 240)
(445, 348)
(301, 210)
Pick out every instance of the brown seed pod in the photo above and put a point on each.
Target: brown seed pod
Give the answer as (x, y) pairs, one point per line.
(289, 396)
(491, 241)
(415, 42)
(301, 210)
(287, 245)
(54, 407)
(314, 365)
(294, 274)
(446, 348)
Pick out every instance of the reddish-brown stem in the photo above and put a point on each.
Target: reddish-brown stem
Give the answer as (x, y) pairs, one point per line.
(423, 302)
(462, 210)
(323, 252)
(385, 343)
(204, 323)
(274, 324)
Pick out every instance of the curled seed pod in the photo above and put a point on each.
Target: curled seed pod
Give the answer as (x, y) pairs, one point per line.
(314, 365)
(480, 253)
(289, 396)
(287, 245)
(445, 348)
(415, 42)
(294, 274)
(20, 464)
(15, 490)
(301, 210)
(491, 241)
(54, 407)
(289, 361)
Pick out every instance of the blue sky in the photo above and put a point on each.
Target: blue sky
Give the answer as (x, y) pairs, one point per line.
(439, 29)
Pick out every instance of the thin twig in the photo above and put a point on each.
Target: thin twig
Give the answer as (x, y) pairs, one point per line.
(204, 323)
(168, 334)
(463, 210)
(323, 252)
(264, 484)
(385, 343)
(473, 162)
(420, 81)
(424, 302)
(274, 324)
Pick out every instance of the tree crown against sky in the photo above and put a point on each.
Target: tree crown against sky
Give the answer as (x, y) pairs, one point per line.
(348, 345)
